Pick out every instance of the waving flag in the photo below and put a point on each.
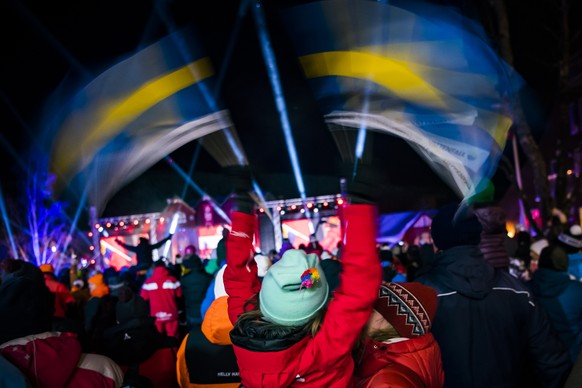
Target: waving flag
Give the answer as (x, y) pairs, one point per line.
(134, 114)
(420, 72)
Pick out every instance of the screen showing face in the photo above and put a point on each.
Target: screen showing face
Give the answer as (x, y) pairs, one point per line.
(327, 232)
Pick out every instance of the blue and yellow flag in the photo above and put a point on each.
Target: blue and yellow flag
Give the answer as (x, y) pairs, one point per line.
(134, 114)
(421, 72)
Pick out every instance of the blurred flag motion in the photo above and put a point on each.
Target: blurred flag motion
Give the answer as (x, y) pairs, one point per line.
(421, 72)
(134, 114)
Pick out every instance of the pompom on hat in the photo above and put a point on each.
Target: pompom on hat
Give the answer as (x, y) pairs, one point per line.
(408, 307)
(294, 289)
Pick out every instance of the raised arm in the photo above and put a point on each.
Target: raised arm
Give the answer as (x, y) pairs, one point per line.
(126, 246)
(241, 281)
(360, 280)
(160, 243)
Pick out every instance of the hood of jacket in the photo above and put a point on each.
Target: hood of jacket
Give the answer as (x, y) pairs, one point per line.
(159, 273)
(50, 357)
(420, 355)
(549, 283)
(262, 336)
(463, 269)
(216, 325)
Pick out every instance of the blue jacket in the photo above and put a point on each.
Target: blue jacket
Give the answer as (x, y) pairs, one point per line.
(561, 297)
(487, 325)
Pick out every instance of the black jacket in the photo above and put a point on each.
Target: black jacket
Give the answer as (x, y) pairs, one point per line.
(488, 326)
(194, 286)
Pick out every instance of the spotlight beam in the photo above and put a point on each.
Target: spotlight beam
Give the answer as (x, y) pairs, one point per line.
(275, 80)
(7, 223)
(201, 192)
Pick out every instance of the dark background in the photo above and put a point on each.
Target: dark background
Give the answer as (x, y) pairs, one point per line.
(47, 43)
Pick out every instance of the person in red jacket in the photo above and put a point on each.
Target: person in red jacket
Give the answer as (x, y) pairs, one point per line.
(399, 350)
(63, 298)
(280, 337)
(162, 290)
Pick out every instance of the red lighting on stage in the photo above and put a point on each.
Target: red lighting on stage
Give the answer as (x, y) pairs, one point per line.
(293, 207)
(108, 224)
(121, 223)
(278, 208)
(135, 222)
(147, 221)
(325, 203)
(91, 248)
(90, 234)
(162, 219)
(92, 261)
(261, 210)
(97, 226)
(309, 205)
(340, 201)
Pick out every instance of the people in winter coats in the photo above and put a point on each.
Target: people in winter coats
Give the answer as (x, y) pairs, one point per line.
(162, 290)
(63, 298)
(45, 358)
(560, 296)
(206, 357)
(280, 336)
(487, 324)
(194, 284)
(399, 349)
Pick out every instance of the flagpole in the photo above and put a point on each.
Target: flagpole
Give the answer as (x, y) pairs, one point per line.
(522, 218)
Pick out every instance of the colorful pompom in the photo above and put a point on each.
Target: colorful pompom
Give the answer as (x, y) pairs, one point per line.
(309, 278)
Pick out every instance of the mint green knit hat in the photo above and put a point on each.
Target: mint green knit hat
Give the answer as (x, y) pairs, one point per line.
(294, 289)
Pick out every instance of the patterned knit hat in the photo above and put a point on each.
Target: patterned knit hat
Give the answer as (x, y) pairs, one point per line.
(294, 289)
(571, 239)
(408, 307)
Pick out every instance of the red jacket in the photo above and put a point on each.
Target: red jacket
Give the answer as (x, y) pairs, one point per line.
(53, 359)
(62, 295)
(161, 290)
(323, 360)
(415, 362)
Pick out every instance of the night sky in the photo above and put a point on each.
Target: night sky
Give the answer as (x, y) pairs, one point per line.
(46, 44)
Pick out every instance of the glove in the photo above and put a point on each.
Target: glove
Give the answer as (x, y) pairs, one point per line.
(242, 183)
(363, 187)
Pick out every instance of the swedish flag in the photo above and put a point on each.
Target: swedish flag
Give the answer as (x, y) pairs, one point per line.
(421, 72)
(134, 114)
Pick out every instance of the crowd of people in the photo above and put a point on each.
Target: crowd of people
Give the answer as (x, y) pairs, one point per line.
(463, 306)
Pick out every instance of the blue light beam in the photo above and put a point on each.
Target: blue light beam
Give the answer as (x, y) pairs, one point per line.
(7, 223)
(201, 192)
(273, 72)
